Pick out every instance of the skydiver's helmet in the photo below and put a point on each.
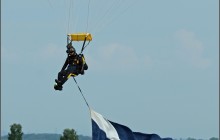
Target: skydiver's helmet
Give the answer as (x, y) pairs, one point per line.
(70, 50)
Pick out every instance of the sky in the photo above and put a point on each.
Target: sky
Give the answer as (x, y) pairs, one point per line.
(153, 65)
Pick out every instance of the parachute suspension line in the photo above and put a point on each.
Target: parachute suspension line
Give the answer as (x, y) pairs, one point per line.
(131, 4)
(88, 17)
(50, 3)
(99, 26)
(82, 93)
(101, 21)
(70, 6)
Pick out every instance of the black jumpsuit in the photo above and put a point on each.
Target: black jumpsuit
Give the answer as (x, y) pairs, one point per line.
(74, 65)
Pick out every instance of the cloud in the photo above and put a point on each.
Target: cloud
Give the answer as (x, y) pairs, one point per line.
(9, 55)
(190, 49)
(118, 58)
(114, 58)
(51, 52)
(38, 54)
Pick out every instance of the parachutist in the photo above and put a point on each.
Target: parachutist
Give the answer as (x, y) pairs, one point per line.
(74, 65)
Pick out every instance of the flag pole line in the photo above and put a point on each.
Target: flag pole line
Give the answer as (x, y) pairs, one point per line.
(81, 93)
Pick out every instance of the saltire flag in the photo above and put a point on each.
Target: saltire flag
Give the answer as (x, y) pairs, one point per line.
(103, 129)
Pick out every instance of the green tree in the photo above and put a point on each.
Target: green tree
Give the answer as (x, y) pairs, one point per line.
(214, 138)
(190, 138)
(16, 132)
(69, 134)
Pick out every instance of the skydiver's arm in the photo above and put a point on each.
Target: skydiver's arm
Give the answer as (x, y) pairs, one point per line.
(65, 64)
(83, 63)
(81, 60)
(85, 66)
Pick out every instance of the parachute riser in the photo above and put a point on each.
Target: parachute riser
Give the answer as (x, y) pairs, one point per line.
(83, 46)
(68, 40)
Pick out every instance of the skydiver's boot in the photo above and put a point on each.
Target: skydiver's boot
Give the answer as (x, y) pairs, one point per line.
(58, 87)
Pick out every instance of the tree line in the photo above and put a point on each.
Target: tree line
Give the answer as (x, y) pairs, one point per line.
(68, 134)
(17, 134)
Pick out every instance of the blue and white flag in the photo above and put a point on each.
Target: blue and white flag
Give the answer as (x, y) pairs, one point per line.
(103, 129)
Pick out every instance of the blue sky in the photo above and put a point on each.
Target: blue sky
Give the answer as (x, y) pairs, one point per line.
(153, 65)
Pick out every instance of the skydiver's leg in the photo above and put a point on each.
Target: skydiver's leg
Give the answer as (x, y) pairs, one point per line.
(73, 70)
(59, 84)
(62, 77)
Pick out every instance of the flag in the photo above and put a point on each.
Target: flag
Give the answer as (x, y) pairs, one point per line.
(103, 129)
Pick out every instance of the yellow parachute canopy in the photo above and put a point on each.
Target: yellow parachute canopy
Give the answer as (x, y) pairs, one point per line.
(80, 37)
